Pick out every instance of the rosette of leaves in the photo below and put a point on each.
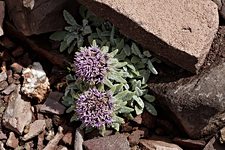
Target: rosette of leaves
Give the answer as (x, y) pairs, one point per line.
(126, 84)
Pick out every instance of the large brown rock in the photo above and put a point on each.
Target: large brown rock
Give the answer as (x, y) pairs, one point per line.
(38, 16)
(180, 31)
(114, 142)
(197, 103)
(18, 114)
(2, 14)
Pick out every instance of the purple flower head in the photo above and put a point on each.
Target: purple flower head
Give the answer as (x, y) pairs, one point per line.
(91, 64)
(94, 108)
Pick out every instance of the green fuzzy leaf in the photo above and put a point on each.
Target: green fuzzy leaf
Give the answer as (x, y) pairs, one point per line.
(67, 101)
(113, 53)
(147, 53)
(139, 101)
(58, 36)
(140, 65)
(105, 49)
(87, 30)
(84, 22)
(112, 36)
(102, 130)
(149, 98)
(122, 95)
(135, 59)
(117, 119)
(126, 110)
(127, 50)
(70, 109)
(118, 88)
(145, 74)
(69, 38)
(116, 126)
(135, 50)
(138, 91)
(116, 77)
(72, 46)
(80, 42)
(70, 77)
(121, 55)
(108, 83)
(150, 108)
(151, 67)
(63, 46)
(69, 18)
(74, 118)
(129, 116)
(138, 110)
(120, 45)
(120, 64)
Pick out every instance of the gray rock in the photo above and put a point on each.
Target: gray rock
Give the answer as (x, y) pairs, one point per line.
(52, 106)
(3, 76)
(2, 15)
(18, 114)
(2, 136)
(9, 89)
(38, 16)
(158, 145)
(12, 141)
(78, 140)
(197, 103)
(35, 129)
(180, 31)
(114, 142)
(3, 85)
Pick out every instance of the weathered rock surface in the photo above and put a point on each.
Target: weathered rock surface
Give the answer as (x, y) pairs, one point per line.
(35, 129)
(158, 145)
(35, 84)
(12, 141)
(38, 16)
(9, 89)
(197, 103)
(18, 114)
(118, 142)
(180, 31)
(52, 104)
(189, 144)
(2, 15)
(221, 7)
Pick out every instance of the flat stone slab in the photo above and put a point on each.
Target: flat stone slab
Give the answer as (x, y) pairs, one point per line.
(18, 114)
(114, 142)
(180, 31)
(196, 103)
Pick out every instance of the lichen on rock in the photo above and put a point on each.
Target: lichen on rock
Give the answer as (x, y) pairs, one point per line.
(36, 84)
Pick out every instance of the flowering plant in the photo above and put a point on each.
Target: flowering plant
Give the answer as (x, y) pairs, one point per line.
(108, 82)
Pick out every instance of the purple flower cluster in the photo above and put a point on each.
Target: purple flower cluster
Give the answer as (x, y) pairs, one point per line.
(91, 65)
(94, 108)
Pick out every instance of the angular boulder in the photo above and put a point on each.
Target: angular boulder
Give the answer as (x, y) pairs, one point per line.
(2, 14)
(180, 31)
(38, 16)
(197, 103)
(118, 142)
(18, 114)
